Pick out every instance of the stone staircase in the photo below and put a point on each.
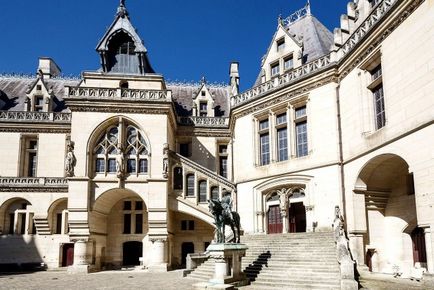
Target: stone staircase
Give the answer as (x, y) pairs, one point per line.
(42, 226)
(286, 261)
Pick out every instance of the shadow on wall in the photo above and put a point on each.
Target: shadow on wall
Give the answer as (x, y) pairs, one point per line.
(19, 254)
(201, 154)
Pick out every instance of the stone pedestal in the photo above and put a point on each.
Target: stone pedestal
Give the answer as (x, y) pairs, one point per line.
(227, 269)
(81, 258)
(158, 256)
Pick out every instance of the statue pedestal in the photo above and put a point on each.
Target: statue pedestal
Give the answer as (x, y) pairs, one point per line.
(227, 268)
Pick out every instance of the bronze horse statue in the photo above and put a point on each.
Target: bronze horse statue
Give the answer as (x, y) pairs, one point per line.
(224, 216)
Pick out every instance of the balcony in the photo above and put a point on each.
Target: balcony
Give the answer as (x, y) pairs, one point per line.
(205, 122)
(33, 184)
(35, 117)
(118, 94)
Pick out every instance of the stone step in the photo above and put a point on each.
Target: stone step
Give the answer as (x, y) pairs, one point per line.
(296, 283)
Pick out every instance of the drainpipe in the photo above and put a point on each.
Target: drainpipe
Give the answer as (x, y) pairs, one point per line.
(341, 154)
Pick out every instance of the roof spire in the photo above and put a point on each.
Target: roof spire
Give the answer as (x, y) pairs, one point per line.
(308, 11)
(122, 10)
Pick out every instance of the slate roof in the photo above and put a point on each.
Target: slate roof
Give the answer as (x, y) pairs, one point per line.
(13, 91)
(317, 39)
(184, 94)
(13, 94)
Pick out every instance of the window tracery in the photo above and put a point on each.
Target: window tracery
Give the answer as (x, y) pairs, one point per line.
(122, 139)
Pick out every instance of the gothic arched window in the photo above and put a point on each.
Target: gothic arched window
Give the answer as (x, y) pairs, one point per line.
(122, 139)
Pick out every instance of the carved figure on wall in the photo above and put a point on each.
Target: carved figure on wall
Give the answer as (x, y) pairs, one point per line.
(165, 160)
(120, 162)
(223, 215)
(338, 223)
(283, 200)
(70, 160)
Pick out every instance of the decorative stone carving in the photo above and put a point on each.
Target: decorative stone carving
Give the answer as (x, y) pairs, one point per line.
(283, 201)
(165, 160)
(223, 215)
(120, 162)
(70, 160)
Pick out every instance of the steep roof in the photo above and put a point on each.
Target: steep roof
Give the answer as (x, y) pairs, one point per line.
(13, 91)
(317, 39)
(183, 95)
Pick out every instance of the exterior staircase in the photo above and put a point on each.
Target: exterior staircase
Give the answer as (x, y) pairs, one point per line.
(286, 261)
(42, 226)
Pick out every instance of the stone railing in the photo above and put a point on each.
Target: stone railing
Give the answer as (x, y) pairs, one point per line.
(193, 166)
(118, 94)
(282, 80)
(346, 263)
(213, 122)
(377, 13)
(46, 117)
(33, 182)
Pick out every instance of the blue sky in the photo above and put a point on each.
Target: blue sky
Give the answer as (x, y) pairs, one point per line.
(185, 39)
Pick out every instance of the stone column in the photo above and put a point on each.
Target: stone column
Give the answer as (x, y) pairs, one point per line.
(309, 218)
(81, 257)
(429, 250)
(158, 256)
(260, 221)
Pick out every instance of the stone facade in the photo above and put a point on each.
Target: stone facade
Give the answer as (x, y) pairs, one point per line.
(115, 169)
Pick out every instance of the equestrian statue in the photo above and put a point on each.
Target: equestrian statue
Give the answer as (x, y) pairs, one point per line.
(223, 215)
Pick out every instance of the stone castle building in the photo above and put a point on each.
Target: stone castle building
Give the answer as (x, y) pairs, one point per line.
(116, 168)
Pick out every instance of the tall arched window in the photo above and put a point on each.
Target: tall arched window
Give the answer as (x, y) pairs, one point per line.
(202, 190)
(135, 149)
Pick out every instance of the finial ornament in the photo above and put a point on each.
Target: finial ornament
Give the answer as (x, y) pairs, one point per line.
(122, 3)
(122, 11)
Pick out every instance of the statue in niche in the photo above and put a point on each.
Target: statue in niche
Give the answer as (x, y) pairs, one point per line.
(223, 215)
(165, 160)
(338, 223)
(70, 160)
(120, 162)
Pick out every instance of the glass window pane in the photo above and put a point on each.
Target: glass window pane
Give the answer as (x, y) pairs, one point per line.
(131, 165)
(265, 149)
(190, 185)
(127, 205)
(214, 192)
(301, 138)
(300, 112)
(177, 178)
(281, 119)
(139, 205)
(263, 124)
(143, 166)
(202, 191)
(282, 144)
(139, 224)
(224, 166)
(112, 165)
(127, 223)
(100, 166)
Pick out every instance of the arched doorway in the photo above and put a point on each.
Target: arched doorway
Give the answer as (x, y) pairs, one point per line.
(17, 217)
(131, 253)
(390, 214)
(274, 215)
(121, 219)
(186, 248)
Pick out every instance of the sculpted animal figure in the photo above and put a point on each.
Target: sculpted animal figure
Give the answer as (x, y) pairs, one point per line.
(223, 215)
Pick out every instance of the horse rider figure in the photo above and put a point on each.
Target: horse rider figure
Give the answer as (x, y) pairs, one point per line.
(226, 203)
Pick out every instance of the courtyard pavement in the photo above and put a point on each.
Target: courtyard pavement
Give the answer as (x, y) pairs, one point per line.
(162, 281)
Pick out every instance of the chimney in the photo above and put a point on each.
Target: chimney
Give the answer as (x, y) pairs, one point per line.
(234, 78)
(48, 68)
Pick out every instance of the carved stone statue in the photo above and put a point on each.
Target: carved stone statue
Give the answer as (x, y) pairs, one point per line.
(70, 160)
(165, 160)
(338, 223)
(120, 162)
(283, 201)
(223, 215)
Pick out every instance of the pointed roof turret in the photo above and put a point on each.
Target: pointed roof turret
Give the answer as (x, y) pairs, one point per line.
(121, 49)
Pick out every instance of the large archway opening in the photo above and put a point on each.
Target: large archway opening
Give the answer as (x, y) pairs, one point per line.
(390, 213)
(119, 221)
(16, 217)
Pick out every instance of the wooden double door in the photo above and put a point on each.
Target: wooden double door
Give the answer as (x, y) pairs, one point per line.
(296, 219)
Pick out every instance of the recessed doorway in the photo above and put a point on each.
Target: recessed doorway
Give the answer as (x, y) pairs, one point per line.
(132, 251)
(297, 218)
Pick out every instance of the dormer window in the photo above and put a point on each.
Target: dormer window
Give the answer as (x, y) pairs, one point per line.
(203, 93)
(203, 109)
(280, 45)
(275, 70)
(39, 88)
(39, 104)
(288, 63)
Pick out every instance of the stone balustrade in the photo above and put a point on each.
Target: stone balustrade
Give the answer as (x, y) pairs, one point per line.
(378, 13)
(212, 122)
(118, 94)
(45, 117)
(33, 182)
(282, 80)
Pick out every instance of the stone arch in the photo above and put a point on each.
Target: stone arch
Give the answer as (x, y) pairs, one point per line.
(6, 209)
(389, 212)
(100, 129)
(113, 224)
(263, 191)
(59, 206)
